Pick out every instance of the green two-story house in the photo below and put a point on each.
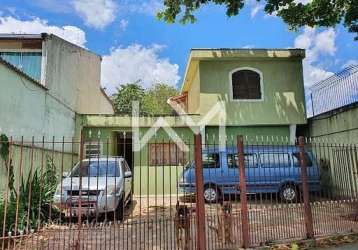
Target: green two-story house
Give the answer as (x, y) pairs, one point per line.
(225, 93)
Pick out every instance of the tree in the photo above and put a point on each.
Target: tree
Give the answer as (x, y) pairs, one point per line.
(127, 93)
(152, 101)
(155, 99)
(296, 13)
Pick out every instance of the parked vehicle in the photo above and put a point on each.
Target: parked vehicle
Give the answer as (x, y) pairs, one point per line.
(106, 187)
(268, 169)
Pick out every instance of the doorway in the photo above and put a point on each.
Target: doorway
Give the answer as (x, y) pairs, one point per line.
(124, 147)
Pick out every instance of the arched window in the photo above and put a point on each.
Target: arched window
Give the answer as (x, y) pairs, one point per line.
(246, 85)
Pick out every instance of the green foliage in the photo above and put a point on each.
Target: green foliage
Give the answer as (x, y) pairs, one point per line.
(32, 202)
(152, 101)
(125, 95)
(294, 246)
(155, 99)
(4, 155)
(4, 147)
(325, 13)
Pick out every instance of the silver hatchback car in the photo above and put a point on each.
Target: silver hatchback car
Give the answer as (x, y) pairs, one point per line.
(98, 185)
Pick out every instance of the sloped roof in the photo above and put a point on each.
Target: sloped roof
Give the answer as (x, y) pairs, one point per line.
(13, 36)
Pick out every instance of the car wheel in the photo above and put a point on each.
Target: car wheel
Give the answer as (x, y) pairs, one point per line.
(211, 194)
(119, 212)
(289, 193)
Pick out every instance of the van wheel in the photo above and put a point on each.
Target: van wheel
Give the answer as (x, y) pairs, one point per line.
(120, 210)
(211, 193)
(289, 193)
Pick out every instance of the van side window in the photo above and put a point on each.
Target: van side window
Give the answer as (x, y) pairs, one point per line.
(296, 159)
(211, 160)
(250, 160)
(275, 160)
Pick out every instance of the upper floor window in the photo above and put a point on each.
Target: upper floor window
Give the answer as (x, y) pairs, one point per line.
(246, 85)
(27, 62)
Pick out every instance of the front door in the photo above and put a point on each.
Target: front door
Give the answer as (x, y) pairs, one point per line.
(124, 147)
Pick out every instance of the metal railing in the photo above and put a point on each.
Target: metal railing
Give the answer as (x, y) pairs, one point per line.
(247, 192)
(337, 91)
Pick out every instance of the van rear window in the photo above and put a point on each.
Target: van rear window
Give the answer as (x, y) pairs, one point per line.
(296, 159)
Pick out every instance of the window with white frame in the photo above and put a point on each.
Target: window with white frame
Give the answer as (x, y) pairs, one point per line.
(246, 84)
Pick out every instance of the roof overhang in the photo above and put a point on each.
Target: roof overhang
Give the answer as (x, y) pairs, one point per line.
(197, 55)
(22, 36)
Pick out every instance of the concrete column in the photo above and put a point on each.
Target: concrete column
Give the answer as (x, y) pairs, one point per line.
(203, 135)
(293, 133)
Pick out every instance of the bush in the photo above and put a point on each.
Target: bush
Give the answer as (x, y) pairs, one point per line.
(32, 202)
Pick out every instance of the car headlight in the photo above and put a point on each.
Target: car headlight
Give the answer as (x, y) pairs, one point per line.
(112, 190)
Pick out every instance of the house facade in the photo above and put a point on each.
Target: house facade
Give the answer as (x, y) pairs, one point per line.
(250, 92)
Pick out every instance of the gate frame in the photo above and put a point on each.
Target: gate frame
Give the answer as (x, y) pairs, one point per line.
(305, 190)
(243, 193)
(200, 202)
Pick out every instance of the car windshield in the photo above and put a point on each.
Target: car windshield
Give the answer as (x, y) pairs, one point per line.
(96, 169)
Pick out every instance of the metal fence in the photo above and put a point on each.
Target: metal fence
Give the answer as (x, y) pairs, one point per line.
(339, 90)
(246, 192)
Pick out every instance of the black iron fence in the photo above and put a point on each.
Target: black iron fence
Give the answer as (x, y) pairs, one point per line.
(62, 194)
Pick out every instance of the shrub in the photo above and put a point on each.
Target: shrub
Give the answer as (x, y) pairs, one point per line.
(32, 202)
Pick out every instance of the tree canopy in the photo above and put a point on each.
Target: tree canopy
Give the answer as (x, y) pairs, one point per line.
(152, 101)
(127, 93)
(155, 99)
(296, 13)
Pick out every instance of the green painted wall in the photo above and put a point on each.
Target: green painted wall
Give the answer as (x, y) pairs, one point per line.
(28, 109)
(252, 133)
(335, 136)
(26, 159)
(194, 94)
(283, 91)
(335, 126)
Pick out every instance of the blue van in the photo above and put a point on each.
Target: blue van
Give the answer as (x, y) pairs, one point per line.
(268, 169)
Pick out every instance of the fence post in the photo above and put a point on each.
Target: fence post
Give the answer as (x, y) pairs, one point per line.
(79, 211)
(305, 189)
(200, 203)
(243, 197)
(8, 164)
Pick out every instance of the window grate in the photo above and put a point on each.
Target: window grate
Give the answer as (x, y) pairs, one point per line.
(92, 149)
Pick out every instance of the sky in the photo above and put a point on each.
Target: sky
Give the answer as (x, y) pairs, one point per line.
(136, 46)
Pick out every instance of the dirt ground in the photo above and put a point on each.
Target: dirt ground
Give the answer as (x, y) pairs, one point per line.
(149, 224)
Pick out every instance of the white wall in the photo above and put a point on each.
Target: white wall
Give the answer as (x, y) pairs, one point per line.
(72, 74)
